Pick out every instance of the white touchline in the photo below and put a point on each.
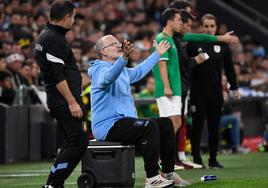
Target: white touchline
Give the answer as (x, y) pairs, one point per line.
(20, 175)
(29, 174)
(30, 184)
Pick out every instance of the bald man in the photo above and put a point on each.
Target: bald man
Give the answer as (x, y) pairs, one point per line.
(114, 116)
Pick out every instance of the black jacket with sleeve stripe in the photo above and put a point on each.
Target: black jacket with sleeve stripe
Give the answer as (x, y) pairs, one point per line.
(57, 63)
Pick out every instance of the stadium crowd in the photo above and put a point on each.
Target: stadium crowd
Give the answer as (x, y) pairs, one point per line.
(138, 21)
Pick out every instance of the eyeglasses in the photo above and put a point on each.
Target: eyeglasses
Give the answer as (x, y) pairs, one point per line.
(117, 44)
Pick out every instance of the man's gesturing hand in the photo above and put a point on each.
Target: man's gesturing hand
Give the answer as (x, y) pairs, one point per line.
(228, 38)
(127, 49)
(162, 47)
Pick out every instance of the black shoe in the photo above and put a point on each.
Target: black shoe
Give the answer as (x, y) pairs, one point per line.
(201, 163)
(214, 164)
(198, 160)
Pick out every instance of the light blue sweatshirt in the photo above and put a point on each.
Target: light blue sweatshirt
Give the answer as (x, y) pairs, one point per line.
(111, 98)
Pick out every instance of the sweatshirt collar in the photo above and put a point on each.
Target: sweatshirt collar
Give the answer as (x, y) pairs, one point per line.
(57, 28)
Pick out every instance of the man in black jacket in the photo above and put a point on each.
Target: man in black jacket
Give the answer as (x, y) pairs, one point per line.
(206, 90)
(186, 65)
(63, 87)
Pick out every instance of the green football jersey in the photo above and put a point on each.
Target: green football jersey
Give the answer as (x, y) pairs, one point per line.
(173, 69)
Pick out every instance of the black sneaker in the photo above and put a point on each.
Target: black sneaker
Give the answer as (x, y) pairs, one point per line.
(214, 164)
(200, 162)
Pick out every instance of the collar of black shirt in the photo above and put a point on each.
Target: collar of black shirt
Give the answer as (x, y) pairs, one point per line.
(57, 28)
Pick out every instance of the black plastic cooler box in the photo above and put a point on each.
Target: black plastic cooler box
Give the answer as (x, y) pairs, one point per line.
(107, 164)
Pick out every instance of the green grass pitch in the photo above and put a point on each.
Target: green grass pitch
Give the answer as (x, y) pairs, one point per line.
(241, 171)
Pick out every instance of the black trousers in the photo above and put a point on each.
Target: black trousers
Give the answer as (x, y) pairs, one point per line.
(154, 137)
(74, 145)
(183, 97)
(211, 111)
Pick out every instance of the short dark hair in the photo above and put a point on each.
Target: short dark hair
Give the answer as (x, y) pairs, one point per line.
(60, 8)
(25, 64)
(4, 75)
(185, 16)
(208, 17)
(168, 14)
(180, 4)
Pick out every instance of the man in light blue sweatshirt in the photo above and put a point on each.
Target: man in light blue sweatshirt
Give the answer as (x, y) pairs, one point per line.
(114, 116)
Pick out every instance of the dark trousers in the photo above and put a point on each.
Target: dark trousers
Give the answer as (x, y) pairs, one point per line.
(183, 119)
(154, 137)
(74, 145)
(211, 111)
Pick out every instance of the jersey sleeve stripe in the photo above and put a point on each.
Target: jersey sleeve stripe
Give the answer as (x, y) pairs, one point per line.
(163, 59)
(54, 59)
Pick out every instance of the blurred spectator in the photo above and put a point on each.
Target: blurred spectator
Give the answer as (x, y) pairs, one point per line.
(148, 110)
(6, 48)
(27, 71)
(243, 77)
(35, 78)
(77, 51)
(196, 27)
(232, 119)
(7, 93)
(265, 65)
(182, 4)
(3, 64)
(26, 74)
(259, 52)
(155, 8)
(14, 66)
(26, 49)
(89, 52)
(222, 29)
(86, 100)
(40, 21)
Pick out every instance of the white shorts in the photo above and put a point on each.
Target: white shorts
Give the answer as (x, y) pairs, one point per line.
(169, 106)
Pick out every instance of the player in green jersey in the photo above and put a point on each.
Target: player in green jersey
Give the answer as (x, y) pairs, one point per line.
(167, 71)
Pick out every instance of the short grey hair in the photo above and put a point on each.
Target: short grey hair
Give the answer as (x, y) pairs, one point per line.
(100, 44)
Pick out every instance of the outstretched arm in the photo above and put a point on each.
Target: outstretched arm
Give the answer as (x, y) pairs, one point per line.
(142, 69)
(227, 38)
(109, 75)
